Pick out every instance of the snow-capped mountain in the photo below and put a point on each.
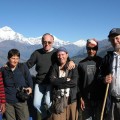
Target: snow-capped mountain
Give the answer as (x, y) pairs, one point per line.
(80, 43)
(6, 33)
(10, 39)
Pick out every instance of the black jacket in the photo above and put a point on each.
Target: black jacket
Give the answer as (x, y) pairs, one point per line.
(62, 83)
(106, 69)
(106, 66)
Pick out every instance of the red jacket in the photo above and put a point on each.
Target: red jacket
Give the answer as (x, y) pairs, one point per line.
(2, 91)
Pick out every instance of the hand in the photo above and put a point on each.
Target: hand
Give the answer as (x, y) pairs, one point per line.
(2, 107)
(82, 104)
(29, 90)
(68, 79)
(108, 78)
(71, 65)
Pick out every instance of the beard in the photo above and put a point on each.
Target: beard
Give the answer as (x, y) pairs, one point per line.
(117, 48)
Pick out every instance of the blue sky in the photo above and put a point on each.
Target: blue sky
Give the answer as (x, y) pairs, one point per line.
(69, 20)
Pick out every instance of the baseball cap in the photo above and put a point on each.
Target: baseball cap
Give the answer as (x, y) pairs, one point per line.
(114, 31)
(62, 49)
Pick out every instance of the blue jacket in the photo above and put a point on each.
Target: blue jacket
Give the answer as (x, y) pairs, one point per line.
(13, 79)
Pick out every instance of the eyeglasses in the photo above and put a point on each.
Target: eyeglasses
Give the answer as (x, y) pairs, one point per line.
(47, 42)
(92, 48)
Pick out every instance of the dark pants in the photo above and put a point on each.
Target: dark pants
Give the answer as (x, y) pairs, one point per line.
(92, 110)
(32, 110)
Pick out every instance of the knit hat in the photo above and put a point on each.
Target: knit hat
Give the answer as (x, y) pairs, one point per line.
(92, 41)
(114, 31)
(62, 49)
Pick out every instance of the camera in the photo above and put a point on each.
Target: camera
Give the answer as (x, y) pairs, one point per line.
(22, 94)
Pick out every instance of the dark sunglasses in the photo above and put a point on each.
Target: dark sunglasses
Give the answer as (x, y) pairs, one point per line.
(47, 42)
(92, 48)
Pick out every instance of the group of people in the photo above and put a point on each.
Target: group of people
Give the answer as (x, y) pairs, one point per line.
(63, 90)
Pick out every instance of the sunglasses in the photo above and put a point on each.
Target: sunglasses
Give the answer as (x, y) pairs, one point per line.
(47, 42)
(92, 48)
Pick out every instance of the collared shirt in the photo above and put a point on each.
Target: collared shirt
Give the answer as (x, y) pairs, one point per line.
(115, 85)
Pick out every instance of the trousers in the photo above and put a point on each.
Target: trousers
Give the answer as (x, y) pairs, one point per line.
(42, 98)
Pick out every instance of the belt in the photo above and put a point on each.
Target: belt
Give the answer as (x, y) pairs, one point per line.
(115, 99)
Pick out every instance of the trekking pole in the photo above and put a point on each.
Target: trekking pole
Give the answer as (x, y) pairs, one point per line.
(104, 102)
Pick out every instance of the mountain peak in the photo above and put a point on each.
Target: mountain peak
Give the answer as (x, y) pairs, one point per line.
(6, 28)
(6, 33)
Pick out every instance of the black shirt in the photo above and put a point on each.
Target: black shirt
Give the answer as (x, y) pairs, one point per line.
(43, 60)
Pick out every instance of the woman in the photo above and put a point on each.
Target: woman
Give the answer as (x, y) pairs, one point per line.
(16, 76)
(64, 84)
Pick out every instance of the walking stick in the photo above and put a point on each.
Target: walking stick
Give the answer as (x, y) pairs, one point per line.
(104, 102)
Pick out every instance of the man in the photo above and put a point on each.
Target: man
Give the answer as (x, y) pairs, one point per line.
(88, 85)
(110, 73)
(43, 58)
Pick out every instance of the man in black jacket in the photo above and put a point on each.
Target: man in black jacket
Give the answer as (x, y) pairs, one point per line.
(88, 85)
(110, 74)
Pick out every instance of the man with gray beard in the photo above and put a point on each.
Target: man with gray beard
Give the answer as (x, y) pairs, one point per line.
(110, 74)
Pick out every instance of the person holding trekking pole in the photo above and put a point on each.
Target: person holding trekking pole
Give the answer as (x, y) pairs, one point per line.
(110, 74)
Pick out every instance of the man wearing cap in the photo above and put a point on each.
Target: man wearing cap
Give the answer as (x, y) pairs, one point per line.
(110, 74)
(88, 85)
(64, 84)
